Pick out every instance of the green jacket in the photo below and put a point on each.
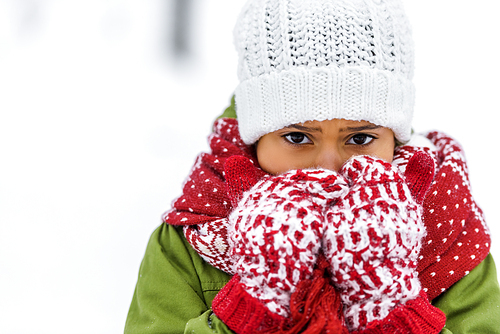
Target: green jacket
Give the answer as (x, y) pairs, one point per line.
(176, 287)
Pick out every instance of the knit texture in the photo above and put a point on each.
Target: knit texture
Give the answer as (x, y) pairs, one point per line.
(315, 305)
(204, 205)
(275, 231)
(275, 234)
(373, 239)
(417, 316)
(243, 313)
(323, 59)
(449, 251)
(458, 238)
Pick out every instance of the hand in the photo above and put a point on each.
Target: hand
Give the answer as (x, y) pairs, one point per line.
(275, 234)
(372, 241)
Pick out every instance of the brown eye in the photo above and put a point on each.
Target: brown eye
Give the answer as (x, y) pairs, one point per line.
(360, 139)
(297, 138)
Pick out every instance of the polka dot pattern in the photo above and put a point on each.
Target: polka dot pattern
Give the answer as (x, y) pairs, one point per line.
(457, 235)
(204, 205)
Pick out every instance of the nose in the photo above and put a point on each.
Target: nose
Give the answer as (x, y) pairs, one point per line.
(330, 157)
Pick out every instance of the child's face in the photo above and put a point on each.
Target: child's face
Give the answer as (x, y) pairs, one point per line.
(327, 144)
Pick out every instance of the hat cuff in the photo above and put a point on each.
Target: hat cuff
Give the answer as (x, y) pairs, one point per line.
(273, 101)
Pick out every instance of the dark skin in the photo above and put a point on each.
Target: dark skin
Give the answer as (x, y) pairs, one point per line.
(326, 144)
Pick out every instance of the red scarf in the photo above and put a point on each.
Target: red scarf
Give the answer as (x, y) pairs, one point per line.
(457, 236)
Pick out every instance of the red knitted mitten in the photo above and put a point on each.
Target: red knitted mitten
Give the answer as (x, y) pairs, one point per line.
(316, 306)
(275, 234)
(240, 175)
(419, 174)
(372, 241)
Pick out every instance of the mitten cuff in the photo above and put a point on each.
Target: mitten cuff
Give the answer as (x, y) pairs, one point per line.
(417, 316)
(241, 312)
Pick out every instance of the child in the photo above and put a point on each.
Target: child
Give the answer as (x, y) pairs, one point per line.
(318, 210)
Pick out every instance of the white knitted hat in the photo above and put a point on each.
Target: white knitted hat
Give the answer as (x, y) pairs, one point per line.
(302, 60)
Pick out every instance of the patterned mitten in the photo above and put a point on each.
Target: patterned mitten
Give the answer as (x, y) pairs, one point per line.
(275, 234)
(372, 241)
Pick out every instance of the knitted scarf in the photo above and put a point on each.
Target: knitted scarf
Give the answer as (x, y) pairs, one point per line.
(457, 237)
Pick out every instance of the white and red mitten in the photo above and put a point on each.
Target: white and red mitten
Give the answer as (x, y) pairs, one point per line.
(275, 234)
(372, 241)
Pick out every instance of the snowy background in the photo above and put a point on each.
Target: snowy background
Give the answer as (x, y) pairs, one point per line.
(100, 121)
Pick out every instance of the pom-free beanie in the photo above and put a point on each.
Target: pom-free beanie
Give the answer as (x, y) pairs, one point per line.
(323, 59)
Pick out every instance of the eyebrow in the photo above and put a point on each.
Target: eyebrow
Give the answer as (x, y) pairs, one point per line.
(304, 128)
(360, 128)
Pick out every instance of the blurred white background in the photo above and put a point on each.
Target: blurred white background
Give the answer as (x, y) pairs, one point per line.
(100, 122)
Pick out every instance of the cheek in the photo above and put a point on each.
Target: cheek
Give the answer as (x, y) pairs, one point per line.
(276, 159)
(270, 158)
(386, 151)
(389, 156)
